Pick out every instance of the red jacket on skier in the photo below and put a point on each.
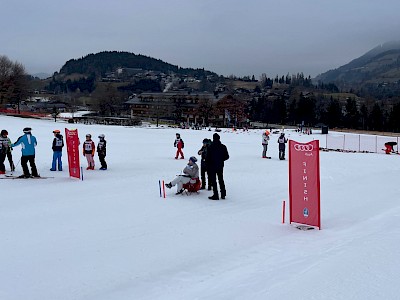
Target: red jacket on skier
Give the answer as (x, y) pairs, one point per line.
(179, 144)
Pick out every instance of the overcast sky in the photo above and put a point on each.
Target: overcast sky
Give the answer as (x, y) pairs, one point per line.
(240, 37)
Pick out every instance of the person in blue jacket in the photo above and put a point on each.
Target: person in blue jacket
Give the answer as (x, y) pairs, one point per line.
(28, 143)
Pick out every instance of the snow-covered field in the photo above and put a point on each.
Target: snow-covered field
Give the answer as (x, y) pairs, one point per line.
(111, 236)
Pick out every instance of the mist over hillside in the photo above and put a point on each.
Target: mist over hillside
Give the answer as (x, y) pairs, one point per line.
(379, 65)
(41, 75)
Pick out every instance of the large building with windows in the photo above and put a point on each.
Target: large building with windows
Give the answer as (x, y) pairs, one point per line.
(172, 105)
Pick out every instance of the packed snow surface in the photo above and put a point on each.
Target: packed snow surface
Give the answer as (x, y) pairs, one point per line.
(111, 236)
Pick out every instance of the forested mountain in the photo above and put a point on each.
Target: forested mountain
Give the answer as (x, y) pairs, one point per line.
(375, 70)
(108, 61)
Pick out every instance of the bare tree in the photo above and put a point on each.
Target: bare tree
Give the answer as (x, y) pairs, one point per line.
(205, 110)
(107, 100)
(232, 109)
(14, 85)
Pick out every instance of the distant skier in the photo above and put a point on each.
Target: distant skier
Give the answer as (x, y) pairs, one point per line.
(282, 146)
(179, 144)
(28, 143)
(88, 151)
(203, 164)
(101, 151)
(264, 142)
(58, 144)
(191, 171)
(389, 147)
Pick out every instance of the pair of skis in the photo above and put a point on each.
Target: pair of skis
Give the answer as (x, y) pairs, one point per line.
(18, 177)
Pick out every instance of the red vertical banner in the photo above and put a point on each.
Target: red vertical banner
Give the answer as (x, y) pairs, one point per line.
(304, 183)
(72, 141)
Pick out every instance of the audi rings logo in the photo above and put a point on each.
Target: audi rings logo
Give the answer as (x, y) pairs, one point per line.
(305, 148)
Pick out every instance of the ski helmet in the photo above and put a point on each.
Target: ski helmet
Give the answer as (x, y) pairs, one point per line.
(193, 159)
(88, 135)
(102, 136)
(4, 132)
(56, 131)
(27, 130)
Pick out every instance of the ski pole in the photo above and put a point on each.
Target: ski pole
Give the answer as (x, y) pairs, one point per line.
(15, 166)
(283, 211)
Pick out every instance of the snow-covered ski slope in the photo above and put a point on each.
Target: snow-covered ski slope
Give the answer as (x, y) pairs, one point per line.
(111, 236)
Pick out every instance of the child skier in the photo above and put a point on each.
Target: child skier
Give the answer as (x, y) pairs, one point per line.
(88, 151)
(282, 146)
(101, 151)
(3, 150)
(58, 144)
(9, 153)
(4, 136)
(389, 147)
(265, 139)
(179, 145)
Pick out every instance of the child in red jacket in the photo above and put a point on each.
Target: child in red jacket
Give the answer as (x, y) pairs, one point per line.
(179, 145)
(88, 151)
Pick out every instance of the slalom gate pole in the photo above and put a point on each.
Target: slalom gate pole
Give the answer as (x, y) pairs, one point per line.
(159, 186)
(163, 187)
(283, 211)
(344, 141)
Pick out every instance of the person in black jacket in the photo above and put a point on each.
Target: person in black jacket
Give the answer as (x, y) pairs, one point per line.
(217, 153)
(102, 151)
(58, 144)
(203, 153)
(282, 140)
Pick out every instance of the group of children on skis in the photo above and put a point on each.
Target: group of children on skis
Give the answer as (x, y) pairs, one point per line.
(282, 140)
(28, 143)
(88, 151)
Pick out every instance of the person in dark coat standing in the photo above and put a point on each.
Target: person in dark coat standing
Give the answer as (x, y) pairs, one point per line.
(282, 146)
(203, 153)
(217, 153)
(28, 143)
